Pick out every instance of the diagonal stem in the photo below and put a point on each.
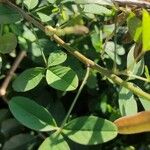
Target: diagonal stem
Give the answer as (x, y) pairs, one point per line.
(76, 98)
(137, 91)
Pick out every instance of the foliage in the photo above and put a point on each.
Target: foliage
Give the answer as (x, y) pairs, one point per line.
(41, 94)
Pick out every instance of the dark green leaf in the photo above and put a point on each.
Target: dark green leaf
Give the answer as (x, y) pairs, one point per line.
(8, 43)
(135, 27)
(31, 114)
(10, 127)
(19, 142)
(8, 15)
(4, 114)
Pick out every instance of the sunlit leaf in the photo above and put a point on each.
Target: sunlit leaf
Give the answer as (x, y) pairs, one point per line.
(54, 142)
(90, 130)
(96, 9)
(56, 58)
(30, 4)
(28, 79)
(62, 78)
(146, 31)
(101, 2)
(127, 103)
(145, 103)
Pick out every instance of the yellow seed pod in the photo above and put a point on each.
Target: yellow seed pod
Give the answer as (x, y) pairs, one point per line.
(134, 124)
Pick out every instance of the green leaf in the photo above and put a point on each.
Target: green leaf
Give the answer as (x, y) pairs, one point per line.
(90, 130)
(96, 41)
(56, 58)
(28, 79)
(147, 74)
(133, 67)
(145, 103)
(135, 27)
(146, 31)
(101, 2)
(110, 50)
(8, 15)
(44, 17)
(31, 115)
(28, 34)
(8, 43)
(54, 142)
(96, 9)
(30, 4)
(62, 78)
(127, 103)
(51, 1)
(4, 114)
(20, 141)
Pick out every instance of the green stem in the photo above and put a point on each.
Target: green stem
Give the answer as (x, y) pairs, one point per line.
(129, 74)
(1, 29)
(115, 46)
(76, 98)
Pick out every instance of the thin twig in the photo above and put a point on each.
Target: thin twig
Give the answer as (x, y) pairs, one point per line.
(11, 73)
(76, 98)
(139, 3)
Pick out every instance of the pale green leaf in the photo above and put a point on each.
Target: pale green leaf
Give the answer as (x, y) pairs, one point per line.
(30, 4)
(28, 34)
(51, 1)
(145, 103)
(110, 50)
(28, 79)
(56, 58)
(8, 43)
(101, 2)
(96, 41)
(146, 31)
(96, 9)
(135, 68)
(31, 115)
(90, 130)
(54, 142)
(127, 103)
(62, 78)
(44, 17)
